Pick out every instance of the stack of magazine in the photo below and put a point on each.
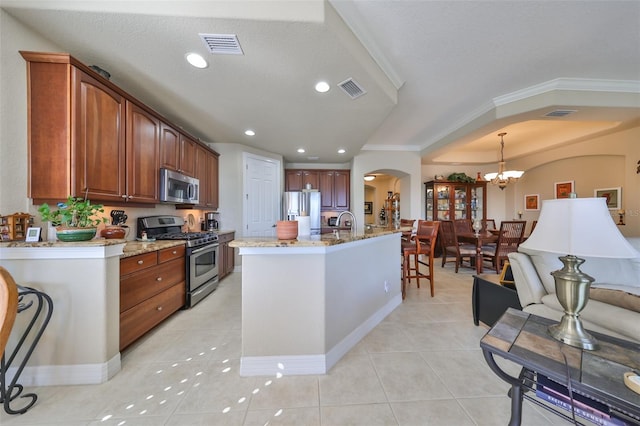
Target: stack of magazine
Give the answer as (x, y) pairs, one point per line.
(584, 407)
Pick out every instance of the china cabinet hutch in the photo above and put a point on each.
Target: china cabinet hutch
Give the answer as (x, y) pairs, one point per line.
(455, 200)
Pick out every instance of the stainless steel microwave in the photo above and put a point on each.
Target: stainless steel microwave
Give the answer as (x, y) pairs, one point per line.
(178, 188)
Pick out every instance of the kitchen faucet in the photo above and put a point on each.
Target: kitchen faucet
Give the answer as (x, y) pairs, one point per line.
(354, 226)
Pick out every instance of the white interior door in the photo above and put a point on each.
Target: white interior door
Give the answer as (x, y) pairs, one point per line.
(262, 195)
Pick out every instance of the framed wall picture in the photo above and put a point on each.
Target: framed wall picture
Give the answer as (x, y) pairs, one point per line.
(532, 202)
(368, 207)
(563, 189)
(613, 196)
(33, 235)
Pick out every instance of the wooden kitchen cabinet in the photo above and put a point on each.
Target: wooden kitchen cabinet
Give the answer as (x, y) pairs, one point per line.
(76, 132)
(206, 170)
(152, 287)
(187, 156)
(177, 151)
(455, 200)
(334, 186)
(225, 254)
(99, 142)
(169, 147)
(334, 190)
(143, 145)
(296, 180)
(88, 137)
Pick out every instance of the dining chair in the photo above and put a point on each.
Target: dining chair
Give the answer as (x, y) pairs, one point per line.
(405, 223)
(463, 226)
(488, 224)
(533, 226)
(451, 246)
(422, 244)
(509, 238)
(8, 307)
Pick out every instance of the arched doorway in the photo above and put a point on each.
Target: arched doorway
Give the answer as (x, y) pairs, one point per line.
(383, 196)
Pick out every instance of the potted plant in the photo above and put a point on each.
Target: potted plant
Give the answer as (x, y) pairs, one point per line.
(75, 220)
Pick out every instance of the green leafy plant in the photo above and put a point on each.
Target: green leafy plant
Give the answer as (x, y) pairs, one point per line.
(460, 177)
(76, 212)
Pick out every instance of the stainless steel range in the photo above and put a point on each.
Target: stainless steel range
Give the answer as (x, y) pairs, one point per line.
(201, 252)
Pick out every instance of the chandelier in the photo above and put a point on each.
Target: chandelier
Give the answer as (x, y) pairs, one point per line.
(502, 178)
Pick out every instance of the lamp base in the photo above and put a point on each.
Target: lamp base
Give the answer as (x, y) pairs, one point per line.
(570, 332)
(572, 290)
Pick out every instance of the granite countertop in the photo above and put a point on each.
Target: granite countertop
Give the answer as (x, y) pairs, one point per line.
(323, 240)
(133, 248)
(98, 242)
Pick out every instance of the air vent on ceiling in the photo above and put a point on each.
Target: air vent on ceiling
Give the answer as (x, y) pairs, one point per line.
(352, 88)
(560, 112)
(222, 44)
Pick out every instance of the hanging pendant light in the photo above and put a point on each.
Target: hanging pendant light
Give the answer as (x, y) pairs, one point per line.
(502, 178)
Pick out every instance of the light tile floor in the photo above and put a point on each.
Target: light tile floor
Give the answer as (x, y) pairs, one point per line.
(422, 365)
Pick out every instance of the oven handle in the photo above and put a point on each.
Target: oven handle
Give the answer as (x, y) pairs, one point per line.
(208, 247)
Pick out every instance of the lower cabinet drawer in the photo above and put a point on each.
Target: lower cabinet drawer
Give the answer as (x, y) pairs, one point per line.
(139, 286)
(138, 320)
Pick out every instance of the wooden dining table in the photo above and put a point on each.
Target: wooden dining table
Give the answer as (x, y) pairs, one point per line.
(479, 240)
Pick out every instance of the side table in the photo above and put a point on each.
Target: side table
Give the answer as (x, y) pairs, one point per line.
(490, 298)
(598, 375)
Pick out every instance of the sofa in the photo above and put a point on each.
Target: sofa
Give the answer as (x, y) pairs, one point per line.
(614, 304)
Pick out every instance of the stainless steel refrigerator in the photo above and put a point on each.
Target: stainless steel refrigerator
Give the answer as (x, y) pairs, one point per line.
(294, 203)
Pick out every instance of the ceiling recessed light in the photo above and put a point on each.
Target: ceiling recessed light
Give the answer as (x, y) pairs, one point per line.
(342, 151)
(322, 86)
(301, 150)
(249, 132)
(196, 60)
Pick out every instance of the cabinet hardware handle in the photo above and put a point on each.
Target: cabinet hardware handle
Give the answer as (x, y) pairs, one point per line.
(175, 252)
(140, 262)
(159, 308)
(159, 279)
(123, 196)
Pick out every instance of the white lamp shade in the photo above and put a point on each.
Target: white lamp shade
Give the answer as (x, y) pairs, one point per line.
(580, 227)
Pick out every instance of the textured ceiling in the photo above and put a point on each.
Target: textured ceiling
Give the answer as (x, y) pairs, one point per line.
(442, 77)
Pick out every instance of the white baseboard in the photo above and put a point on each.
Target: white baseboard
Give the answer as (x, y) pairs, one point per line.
(57, 375)
(315, 364)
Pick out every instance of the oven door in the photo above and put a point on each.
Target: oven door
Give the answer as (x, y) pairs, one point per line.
(203, 265)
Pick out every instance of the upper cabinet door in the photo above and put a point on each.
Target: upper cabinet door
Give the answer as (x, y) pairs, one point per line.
(293, 180)
(99, 140)
(341, 188)
(169, 147)
(143, 134)
(325, 184)
(187, 156)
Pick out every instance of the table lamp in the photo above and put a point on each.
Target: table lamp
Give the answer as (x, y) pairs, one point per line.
(577, 227)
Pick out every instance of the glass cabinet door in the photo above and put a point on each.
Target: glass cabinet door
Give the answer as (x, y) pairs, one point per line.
(429, 203)
(477, 207)
(443, 202)
(460, 202)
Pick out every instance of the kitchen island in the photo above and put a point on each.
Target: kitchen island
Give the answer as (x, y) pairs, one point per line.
(307, 302)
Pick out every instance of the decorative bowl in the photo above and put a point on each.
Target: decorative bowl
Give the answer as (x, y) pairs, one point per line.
(287, 229)
(113, 232)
